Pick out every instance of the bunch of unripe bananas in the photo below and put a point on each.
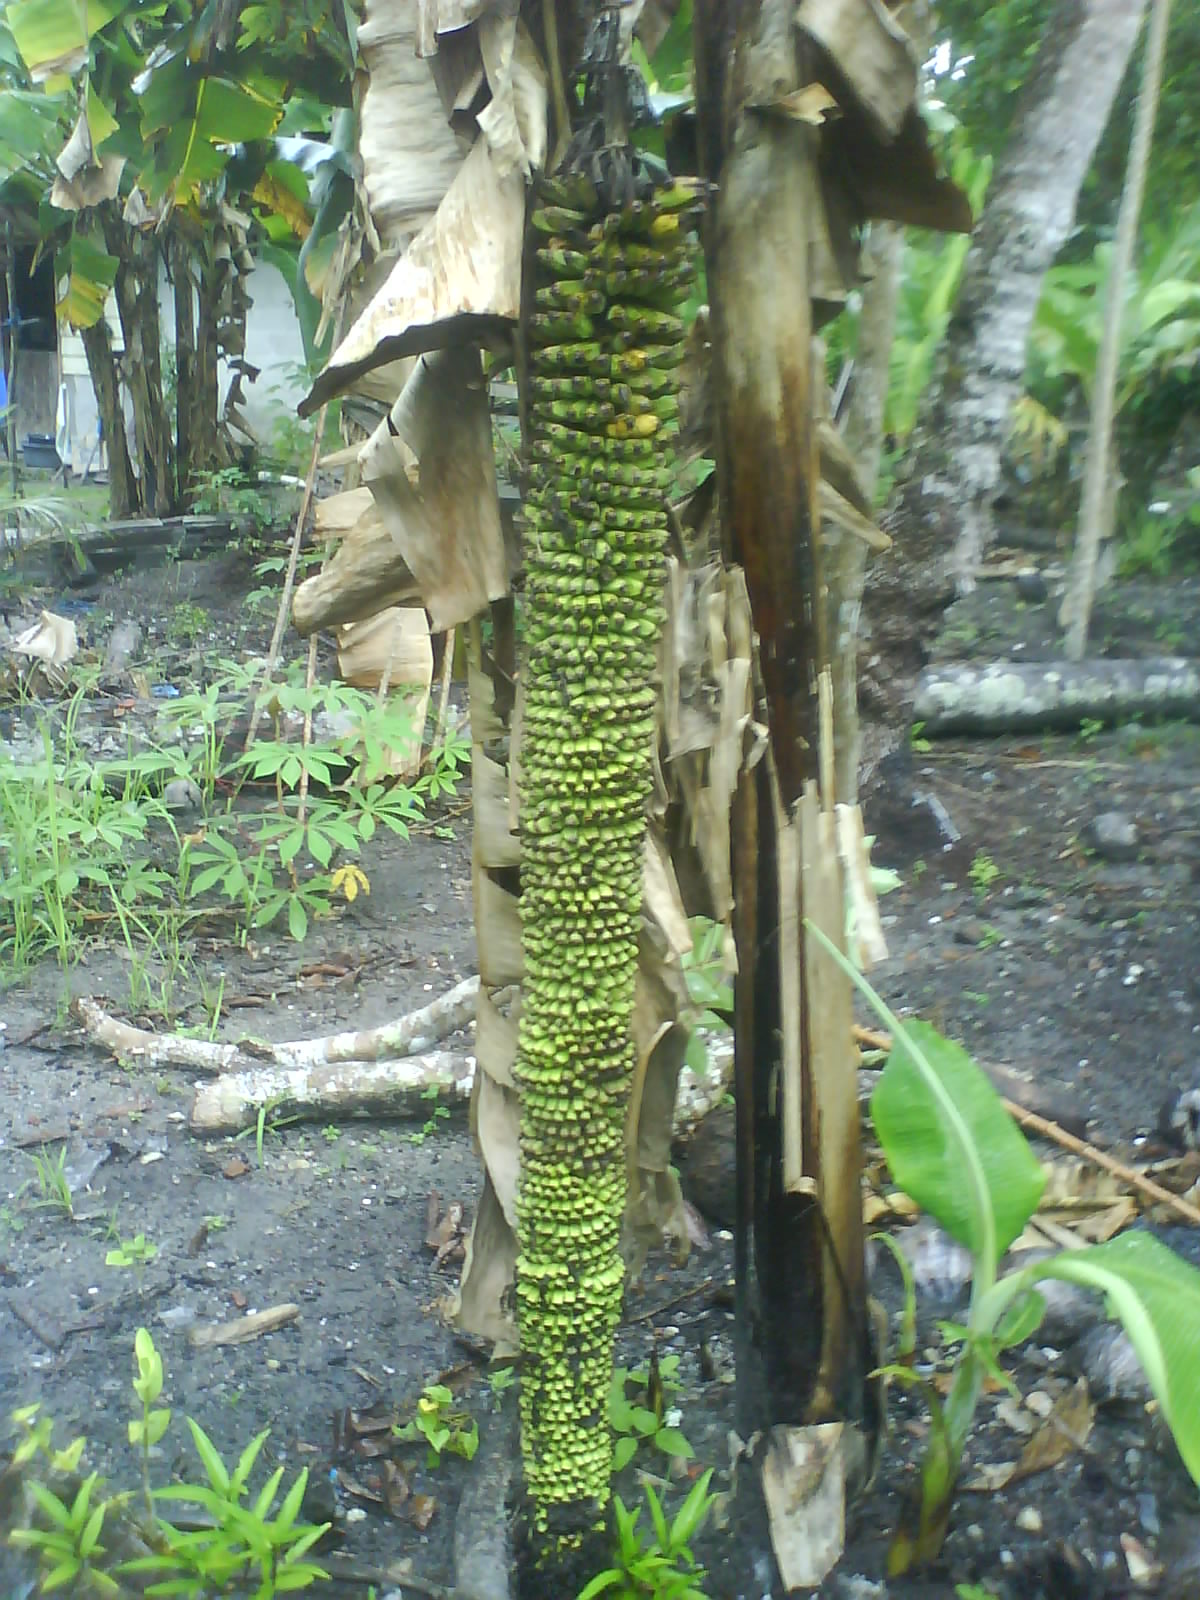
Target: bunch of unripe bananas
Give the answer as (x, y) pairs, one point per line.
(605, 341)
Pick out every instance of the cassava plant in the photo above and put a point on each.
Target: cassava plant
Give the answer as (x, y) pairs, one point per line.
(611, 266)
(953, 1147)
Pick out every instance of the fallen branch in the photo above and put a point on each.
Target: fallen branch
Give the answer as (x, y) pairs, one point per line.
(388, 1071)
(1067, 1141)
(243, 1329)
(400, 1087)
(1136, 1180)
(406, 1035)
(1018, 697)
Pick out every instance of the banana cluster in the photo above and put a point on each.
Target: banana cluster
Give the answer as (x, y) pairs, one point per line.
(605, 344)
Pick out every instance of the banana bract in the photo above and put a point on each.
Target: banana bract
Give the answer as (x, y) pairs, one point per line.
(603, 380)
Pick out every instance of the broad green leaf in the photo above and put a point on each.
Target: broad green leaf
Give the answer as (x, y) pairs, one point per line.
(29, 124)
(673, 1443)
(623, 1452)
(937, 1116)
(90, 273)
(53, 35)
(101, 122)
(1156, 1294)
(947, 1137)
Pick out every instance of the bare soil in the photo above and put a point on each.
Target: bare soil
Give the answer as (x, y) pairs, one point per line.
(1078, 972)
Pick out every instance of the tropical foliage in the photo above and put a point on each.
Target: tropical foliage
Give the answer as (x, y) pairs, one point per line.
(177, 140)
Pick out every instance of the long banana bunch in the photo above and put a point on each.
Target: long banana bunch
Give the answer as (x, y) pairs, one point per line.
(605, 343)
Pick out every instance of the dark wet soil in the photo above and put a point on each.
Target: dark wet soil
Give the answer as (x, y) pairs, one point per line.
(1079, 973)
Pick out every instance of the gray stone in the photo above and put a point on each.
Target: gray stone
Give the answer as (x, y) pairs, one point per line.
(1032, 586)
(181, 794)
(1112, 835)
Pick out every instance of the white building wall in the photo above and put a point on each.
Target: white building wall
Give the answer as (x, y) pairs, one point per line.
(273, 344)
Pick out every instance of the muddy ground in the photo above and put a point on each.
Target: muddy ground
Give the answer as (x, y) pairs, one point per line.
(1007, 931)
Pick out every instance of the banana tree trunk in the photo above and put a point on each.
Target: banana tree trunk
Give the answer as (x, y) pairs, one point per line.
(137, 302)
(123, 495)
(801, 1302)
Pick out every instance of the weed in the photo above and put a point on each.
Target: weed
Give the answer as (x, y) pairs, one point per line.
(69, 1548)
(52, 1181)
(439, 1113)
(231, 492)
(917, 740)
(706, 969)
(136, 1252)
(662, 1566)
(990, 936)
(982, 872)
(500, 1381)
(331, 1134)
(446, 1429)
(230, 1546)
(1089, 727)
(650, 1423)
(187, 623)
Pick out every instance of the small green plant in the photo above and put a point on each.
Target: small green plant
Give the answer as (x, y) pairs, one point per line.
(990, 936)
(953, 1147)
(187, 623)
(706, 971)
(917, 740)
(69, 1546)
(231, 492)
(1089, 727)
(646, 1420)
(215, 1222)
(660, 1566)
(230, 1547)
(445, 1428)
(136, 1252)
(53, 1184)
(500, 1381)
(982, 872)
(438, 1114)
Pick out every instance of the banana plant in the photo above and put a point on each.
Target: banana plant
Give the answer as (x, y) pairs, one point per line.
(952, 1146)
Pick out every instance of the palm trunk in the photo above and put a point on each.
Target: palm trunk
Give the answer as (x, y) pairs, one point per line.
(1097, 512)
(944, 520)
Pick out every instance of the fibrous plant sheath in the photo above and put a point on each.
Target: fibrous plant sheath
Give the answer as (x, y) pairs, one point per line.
(604, 353)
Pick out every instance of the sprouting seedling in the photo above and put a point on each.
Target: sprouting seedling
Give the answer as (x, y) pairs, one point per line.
(953, 1147)
(53, 1184)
